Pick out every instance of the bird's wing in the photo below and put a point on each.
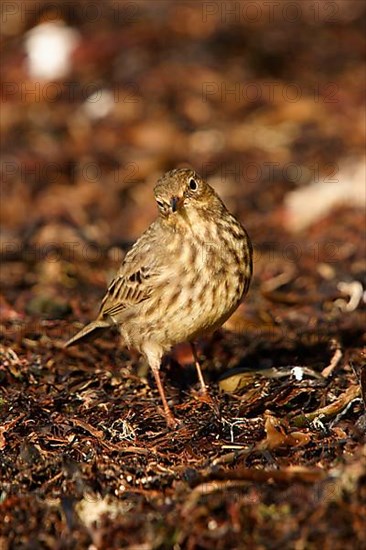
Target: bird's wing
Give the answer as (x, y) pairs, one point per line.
(125, 291)
(134, 281)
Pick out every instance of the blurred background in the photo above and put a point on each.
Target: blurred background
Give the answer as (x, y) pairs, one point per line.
(264, 99)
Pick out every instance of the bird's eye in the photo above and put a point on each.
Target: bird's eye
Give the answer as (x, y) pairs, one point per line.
(160, 203)
(193, 184)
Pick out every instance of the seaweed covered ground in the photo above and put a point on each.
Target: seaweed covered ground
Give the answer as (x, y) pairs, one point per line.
(277, 458)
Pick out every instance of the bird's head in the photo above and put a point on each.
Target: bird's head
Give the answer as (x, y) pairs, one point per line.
(180, 190)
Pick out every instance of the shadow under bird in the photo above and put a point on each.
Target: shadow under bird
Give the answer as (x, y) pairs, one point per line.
(183, 277)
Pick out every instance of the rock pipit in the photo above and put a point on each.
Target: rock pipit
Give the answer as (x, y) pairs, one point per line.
(183, 278)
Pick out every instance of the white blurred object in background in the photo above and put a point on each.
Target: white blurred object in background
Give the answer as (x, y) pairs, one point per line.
(99, 104)
(49, 46)
(309, 204)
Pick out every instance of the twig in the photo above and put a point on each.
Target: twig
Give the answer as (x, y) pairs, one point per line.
(337, 355)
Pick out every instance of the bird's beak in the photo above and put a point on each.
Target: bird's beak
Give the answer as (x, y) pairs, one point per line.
(176, 203)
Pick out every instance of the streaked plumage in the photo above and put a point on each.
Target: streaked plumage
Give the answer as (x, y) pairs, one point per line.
(183, 277)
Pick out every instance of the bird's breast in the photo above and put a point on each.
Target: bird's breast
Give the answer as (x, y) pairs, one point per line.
(206, 271)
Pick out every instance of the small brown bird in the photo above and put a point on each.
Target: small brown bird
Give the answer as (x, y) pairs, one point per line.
(182, 278)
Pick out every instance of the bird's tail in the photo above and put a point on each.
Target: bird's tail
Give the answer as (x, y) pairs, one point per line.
(89, 332)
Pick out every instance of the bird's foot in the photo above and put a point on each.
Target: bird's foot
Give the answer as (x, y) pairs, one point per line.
(171, 420)
(206, 398)
(203, 395)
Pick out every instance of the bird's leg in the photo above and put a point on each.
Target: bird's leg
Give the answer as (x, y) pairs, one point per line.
(170, 419)
(198, 368)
